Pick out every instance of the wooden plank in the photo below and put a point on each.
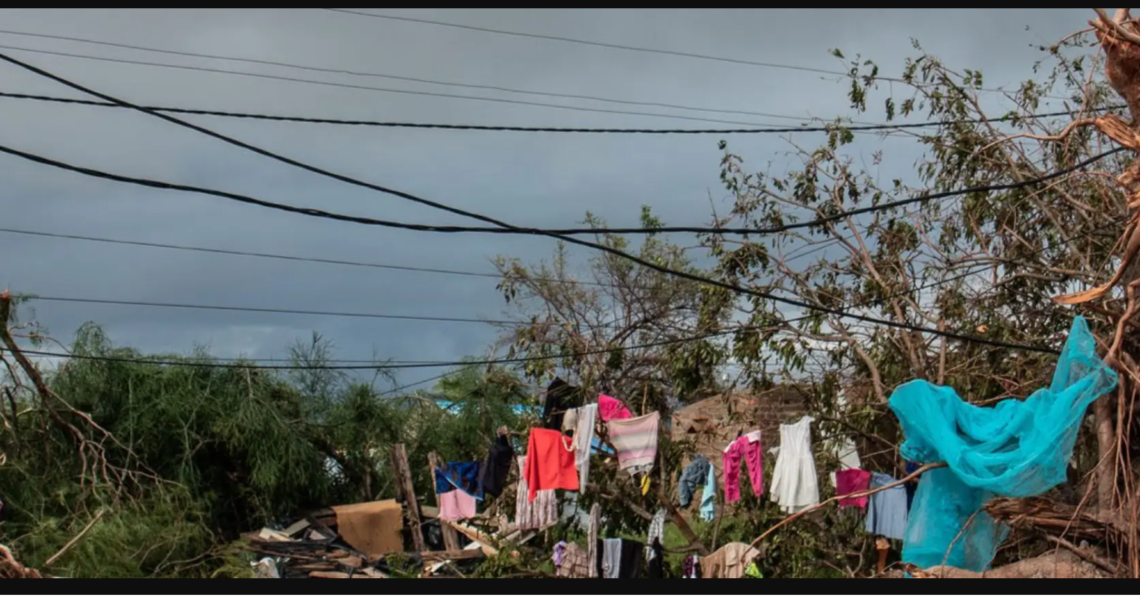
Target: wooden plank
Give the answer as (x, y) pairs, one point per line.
(478, 537)
(450, 538)
(452, 554)
(404, 484)
(296, 528)
(329, 575)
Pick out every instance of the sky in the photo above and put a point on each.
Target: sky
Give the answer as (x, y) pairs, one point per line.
(529, 179)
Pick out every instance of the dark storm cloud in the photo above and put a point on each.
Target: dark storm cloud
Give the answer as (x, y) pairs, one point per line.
(530, 179)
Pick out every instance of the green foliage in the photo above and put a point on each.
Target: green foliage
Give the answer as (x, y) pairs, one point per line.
(233, 449)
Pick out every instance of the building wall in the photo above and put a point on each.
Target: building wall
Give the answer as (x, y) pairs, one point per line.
(714, 422)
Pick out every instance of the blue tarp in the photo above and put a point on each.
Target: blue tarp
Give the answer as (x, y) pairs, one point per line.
(1017, 448)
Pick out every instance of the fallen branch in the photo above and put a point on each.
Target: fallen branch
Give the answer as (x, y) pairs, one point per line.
(74, 540)
(852, 495)
(21, 572)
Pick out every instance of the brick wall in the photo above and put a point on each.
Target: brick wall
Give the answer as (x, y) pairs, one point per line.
(714, 422)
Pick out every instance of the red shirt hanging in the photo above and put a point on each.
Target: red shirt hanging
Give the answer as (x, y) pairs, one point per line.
(549, 463)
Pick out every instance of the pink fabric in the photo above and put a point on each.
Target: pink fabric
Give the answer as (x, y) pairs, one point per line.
(850, 481)
(743, 448)
(612, 408)
(456, 505)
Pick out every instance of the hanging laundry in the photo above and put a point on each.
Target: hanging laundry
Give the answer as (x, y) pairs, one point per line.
(610, 558)
(656, 529)
(456, 505)
(794, 483)
(655, 561)
(729, 562)
(851, 481)
(569, 420)
(692, 477)
(620, 559)
(635, 441)
(753, 571)
(691, 567)
(494, 471)
(886, 510)
(746, 448)
(559, 553)
(459, 475)
(848, 456)
(550, 463)
(575, 562)
(583, 443)
(534, 514)
(610, 409)
(592, 541)
(708, 497)
(560, 396)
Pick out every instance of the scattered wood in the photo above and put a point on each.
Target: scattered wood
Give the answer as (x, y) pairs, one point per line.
(329, 575)
(450, 539)
(269, 534)
(295, 528)
(404, 486)
(353, 562)
(478, 537)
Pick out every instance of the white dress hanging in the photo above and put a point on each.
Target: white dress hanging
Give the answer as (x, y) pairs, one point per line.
(794, 483)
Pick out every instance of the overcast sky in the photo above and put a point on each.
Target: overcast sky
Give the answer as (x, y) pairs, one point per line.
(542, 180)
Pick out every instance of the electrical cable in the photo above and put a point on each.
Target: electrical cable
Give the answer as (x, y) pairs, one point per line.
(632, 258)
(508, 128)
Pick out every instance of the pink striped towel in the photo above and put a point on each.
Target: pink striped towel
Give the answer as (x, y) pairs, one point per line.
(635, 441)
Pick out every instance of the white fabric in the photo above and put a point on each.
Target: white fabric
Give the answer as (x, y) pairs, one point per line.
(584, 442)
(848, 457)
(794, 484)
(656, 532)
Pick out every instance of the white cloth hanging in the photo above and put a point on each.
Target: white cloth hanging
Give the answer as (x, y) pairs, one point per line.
(584, 442)
(656, 532)
(794, 484)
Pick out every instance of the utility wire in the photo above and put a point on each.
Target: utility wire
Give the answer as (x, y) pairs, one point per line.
(370, 365)
(335, 71)
(388, 90)
(349, 263)
(283, 311)
(570, 40)
(558, 38)
(509, 128)
(690, 276)
(512, 230)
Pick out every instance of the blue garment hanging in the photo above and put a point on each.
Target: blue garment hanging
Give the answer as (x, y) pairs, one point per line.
(459, 475)
(708, 497)
(1017, 448)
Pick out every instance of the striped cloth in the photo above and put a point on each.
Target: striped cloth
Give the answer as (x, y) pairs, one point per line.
(539, 514)
(635, 441)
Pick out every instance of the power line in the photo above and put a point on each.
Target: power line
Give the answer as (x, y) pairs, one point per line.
(510, 128)
(558, 38)
(690, 276)
(385, 90)
(562, 234)
(283, 311)
(372, 364)
(336, 71)
(328, 261)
